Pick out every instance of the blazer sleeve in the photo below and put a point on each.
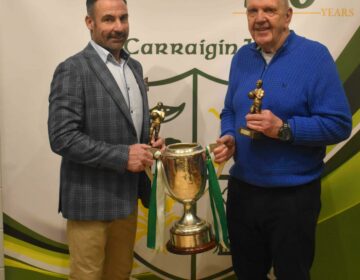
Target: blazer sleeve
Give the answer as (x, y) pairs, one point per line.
(66, 121)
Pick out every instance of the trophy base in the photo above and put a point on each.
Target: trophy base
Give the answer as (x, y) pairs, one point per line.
(251, 133)
(190, 244)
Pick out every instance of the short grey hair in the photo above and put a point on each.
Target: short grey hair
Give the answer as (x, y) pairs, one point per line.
(90, 6)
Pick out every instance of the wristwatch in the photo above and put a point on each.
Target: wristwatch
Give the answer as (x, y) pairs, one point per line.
(285, 133)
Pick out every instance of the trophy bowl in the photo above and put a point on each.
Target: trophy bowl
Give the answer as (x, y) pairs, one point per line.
(185, 176)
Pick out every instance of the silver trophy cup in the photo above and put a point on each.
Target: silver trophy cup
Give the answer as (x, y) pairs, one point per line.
(184, 170)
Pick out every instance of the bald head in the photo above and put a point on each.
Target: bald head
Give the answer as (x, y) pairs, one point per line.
(283, 3)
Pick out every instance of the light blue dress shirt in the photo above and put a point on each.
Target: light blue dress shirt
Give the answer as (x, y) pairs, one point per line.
(126, 81)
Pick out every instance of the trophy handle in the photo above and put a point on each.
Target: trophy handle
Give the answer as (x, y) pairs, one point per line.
(220, 168)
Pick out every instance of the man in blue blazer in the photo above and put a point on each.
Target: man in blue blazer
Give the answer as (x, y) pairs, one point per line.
(99, 124)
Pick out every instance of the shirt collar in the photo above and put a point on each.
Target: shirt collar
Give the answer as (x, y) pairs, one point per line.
(105, 55)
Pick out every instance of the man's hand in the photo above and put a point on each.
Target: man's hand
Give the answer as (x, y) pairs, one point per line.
(159, 143)
(265, 122)
(225, 148)
(139, 158)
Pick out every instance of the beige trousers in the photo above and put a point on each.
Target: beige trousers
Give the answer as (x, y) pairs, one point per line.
(101, 250)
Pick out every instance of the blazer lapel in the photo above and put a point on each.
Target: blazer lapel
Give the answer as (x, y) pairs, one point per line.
(108, 81)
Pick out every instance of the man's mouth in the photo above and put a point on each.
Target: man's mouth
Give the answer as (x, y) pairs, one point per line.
(262, 29)
(118, 37)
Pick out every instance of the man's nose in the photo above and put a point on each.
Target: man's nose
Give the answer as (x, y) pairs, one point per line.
(260, 16)
(118, 25)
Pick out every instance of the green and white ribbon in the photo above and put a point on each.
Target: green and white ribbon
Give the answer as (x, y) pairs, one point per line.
(217, 205)
(156, 215)
(151, 234)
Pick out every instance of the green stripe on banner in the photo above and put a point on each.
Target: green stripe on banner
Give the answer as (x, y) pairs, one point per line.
(356, 117)
(20, 247)
(19, 231)
(15, 269)
(338, 248)
(349, 59)
(355, 122)
(340, 189)
(22, 274)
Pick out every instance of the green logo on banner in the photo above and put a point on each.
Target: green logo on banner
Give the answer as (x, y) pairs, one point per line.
(300, 5)
(297, 3)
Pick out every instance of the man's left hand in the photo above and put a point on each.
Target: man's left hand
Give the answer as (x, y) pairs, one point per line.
(159, 143)
(265, 122)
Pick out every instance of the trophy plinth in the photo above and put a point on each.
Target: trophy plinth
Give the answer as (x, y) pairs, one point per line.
(190, 244)
(251, 133)
(185, 173)
(190, 235)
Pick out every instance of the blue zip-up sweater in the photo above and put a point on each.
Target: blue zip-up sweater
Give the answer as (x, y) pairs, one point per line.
(301, 87)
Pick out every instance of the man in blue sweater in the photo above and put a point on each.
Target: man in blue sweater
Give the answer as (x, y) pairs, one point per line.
(274, 187)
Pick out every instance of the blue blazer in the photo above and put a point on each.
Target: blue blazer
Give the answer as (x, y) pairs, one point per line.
(90, 126)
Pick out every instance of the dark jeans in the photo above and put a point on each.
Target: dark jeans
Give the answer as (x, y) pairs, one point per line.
(272, 227)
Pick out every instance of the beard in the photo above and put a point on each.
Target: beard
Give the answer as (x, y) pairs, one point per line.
(122, 36)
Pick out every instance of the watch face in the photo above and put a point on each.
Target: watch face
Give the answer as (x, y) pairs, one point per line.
(285, 133)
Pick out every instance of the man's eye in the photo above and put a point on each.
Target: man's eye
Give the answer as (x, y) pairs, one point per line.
(124, 18)
(251, 12)
(107, 19)
(269, 12)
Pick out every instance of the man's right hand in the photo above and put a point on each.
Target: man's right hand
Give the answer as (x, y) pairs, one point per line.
(139, 157)
(225, 149)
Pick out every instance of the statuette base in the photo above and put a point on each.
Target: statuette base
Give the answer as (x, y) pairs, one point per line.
(251, 133)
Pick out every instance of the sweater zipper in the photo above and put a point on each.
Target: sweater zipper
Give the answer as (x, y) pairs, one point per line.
(266, 66)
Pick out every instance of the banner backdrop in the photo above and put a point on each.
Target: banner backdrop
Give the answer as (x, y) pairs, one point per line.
(185, 47)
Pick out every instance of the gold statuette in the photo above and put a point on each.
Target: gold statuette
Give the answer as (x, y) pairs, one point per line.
(256, 94)
(157, 115)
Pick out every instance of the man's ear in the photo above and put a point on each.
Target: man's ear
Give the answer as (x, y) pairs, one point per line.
(89, 22)
(289, 14)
